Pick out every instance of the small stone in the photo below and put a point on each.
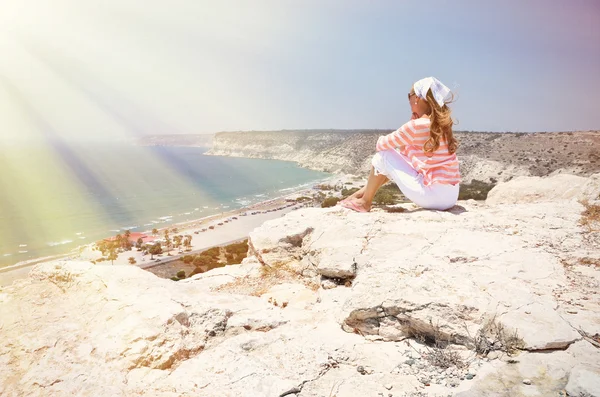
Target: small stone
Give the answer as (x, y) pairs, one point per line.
(360, 369)
(409, 362)
(469, 376)
(328, 284)
(526, 381)
(388, 386)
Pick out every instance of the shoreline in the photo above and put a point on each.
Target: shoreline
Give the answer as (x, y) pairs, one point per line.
(229, 231)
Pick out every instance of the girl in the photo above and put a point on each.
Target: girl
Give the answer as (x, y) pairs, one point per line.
(420, 157)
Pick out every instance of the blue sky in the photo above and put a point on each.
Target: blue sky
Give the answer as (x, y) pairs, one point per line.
(116, 69)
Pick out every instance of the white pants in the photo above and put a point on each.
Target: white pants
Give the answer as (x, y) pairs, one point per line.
(394, 165)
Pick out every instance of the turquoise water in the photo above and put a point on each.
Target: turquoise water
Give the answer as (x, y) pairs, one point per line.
(58, 197)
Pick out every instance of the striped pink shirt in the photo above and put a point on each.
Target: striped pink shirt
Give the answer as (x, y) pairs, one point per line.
(437, 167)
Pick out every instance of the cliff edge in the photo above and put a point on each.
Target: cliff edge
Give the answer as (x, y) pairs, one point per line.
(494, 298)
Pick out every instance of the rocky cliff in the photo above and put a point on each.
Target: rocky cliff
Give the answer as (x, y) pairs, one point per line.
(487, 157)
(488, 299)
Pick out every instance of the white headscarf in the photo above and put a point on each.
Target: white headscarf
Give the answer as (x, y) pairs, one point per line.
(439, 90)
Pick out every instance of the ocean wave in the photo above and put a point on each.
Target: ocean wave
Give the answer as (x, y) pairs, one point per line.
(7, 255)
(22, 245)
(297, 187)
(23, 252)
(55, 243)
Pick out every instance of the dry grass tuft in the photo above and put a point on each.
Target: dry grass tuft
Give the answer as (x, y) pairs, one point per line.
(590, 217)
(494, 337)
(439, 353)
(270, 275)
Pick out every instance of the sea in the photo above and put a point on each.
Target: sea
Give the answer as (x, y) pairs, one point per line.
(55, 198)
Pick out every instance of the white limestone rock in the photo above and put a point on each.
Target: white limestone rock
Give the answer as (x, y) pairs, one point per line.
(584, 380)
(77, 329)
(525, 189)
(540, 327)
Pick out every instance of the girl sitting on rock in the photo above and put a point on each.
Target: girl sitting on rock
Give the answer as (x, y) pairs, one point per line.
(419, 156)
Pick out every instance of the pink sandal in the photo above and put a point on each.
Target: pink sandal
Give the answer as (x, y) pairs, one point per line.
(351, 205)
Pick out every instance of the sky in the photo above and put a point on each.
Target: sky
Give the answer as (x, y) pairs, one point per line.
(117, 69)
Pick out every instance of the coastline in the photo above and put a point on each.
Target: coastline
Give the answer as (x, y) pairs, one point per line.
(229, 231)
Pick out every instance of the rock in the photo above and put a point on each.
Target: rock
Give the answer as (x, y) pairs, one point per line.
(388, 386)
(337, 264)
(525, 189)
(328, 284)
(584, 381)
(422, 292)
(526, 381)
(543, 328)
(548, 372)
(296, 295)
(441, 276)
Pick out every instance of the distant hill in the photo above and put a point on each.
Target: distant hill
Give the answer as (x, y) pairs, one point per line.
(485, 156)
(196, 140)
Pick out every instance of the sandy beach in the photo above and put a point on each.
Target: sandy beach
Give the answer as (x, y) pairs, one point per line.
(234, 229)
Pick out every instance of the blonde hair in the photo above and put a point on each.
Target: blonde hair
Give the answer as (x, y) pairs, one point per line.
(441, 125)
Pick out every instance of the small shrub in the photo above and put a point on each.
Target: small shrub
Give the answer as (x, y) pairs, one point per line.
(212, 252)
(303, 199)
(349, 192)
(476, 190)
(203, 260)
(329, 202)
(175, 278)
(181, 274)
(237, 248)
(384, 197)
